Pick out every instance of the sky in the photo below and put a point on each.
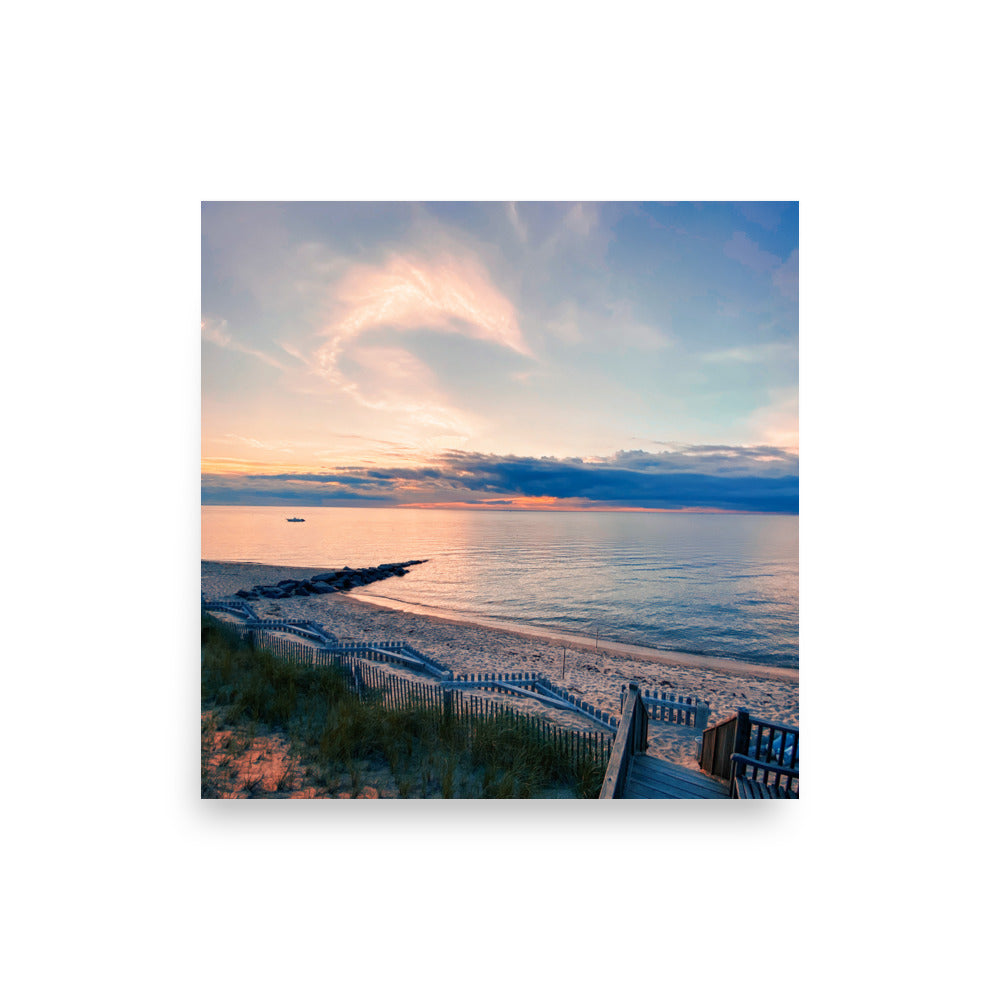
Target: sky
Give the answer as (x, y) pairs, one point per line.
(532, 355)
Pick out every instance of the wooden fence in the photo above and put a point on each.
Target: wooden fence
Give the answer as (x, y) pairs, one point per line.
(538, 687)
(401, 693)
(325, 649)
(394, 692)
(671, 707)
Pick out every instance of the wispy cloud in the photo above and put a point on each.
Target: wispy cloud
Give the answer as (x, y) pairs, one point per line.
(446, 295)
(216, 331)
(777, 422)
(784, 273)
(442, 294)
(750, 353)
(749, 253)
(395, 381)
(786, 277)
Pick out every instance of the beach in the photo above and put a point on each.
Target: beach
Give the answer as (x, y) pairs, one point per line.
(595, 671)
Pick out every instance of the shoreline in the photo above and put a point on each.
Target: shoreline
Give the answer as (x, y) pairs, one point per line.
(554, 635)
(523, 629)
(466, 645)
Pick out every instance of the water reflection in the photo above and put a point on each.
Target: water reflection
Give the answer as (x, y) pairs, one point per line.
(725, 585)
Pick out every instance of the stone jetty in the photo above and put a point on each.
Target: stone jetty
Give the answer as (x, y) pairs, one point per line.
(328, 583)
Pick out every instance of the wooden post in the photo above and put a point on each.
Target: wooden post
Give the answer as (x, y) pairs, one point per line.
(701, 716)
(742, 741)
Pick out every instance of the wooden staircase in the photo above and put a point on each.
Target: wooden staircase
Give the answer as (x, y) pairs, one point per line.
(652, 778)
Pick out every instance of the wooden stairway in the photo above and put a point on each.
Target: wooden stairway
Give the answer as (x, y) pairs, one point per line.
(652, 778)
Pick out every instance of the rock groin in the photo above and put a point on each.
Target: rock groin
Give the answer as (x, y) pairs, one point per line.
(328, 583)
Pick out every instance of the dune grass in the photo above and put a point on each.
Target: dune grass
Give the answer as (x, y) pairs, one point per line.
(336, 733)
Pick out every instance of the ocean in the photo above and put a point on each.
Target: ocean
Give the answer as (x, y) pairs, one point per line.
(711, 584)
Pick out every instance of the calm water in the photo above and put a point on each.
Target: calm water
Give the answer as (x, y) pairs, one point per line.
(720, 585)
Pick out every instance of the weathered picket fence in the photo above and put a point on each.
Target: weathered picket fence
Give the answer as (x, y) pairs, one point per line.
(398, 693)
(395, 693)
(536, 686)
(667, 706)
(325, 649)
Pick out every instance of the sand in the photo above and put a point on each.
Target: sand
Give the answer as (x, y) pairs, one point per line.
(466, 644)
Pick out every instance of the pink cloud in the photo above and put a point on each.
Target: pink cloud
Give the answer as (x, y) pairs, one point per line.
(450, 295)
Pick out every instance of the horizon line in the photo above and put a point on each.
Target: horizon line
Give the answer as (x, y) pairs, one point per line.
(490, 507)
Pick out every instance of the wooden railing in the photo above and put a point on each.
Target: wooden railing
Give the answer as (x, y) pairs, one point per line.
(778, 782)
(771, 747)
(446, 697)
(395, 692)
(773, 743)
(631, 739)
(718, 744)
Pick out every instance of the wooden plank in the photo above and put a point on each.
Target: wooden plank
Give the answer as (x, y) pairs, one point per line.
(690, 772)
(655, 771)
(655, 778)
(637, 788)
(747, 788)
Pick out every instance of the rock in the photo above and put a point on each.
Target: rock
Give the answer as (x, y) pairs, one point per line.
(328, 582)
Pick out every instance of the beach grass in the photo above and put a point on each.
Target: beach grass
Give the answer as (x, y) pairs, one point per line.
(343, 739)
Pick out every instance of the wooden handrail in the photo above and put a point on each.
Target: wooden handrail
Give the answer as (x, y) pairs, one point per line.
(774, 743)
(784, 776)
(631, 739)
(718, 743)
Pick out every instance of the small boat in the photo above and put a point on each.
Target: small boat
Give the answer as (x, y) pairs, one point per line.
(294, 518)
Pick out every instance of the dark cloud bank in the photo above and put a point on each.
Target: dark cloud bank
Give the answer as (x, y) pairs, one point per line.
(760, 480)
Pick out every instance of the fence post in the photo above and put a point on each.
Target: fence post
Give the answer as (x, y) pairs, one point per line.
(742, 741)
(701, 716)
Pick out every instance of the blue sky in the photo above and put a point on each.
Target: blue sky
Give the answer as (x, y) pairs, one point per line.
(539, 355)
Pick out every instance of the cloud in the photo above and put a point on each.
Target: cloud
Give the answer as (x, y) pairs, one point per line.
(750, 354)
(280, 446)
(786, 277)
(447, 295)
(217, 332)
(743, 249)
(703, 477)
(766, 214)
(784, 273)
(515, 220)
(444, 294)
(393, 380)
(777, 423)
